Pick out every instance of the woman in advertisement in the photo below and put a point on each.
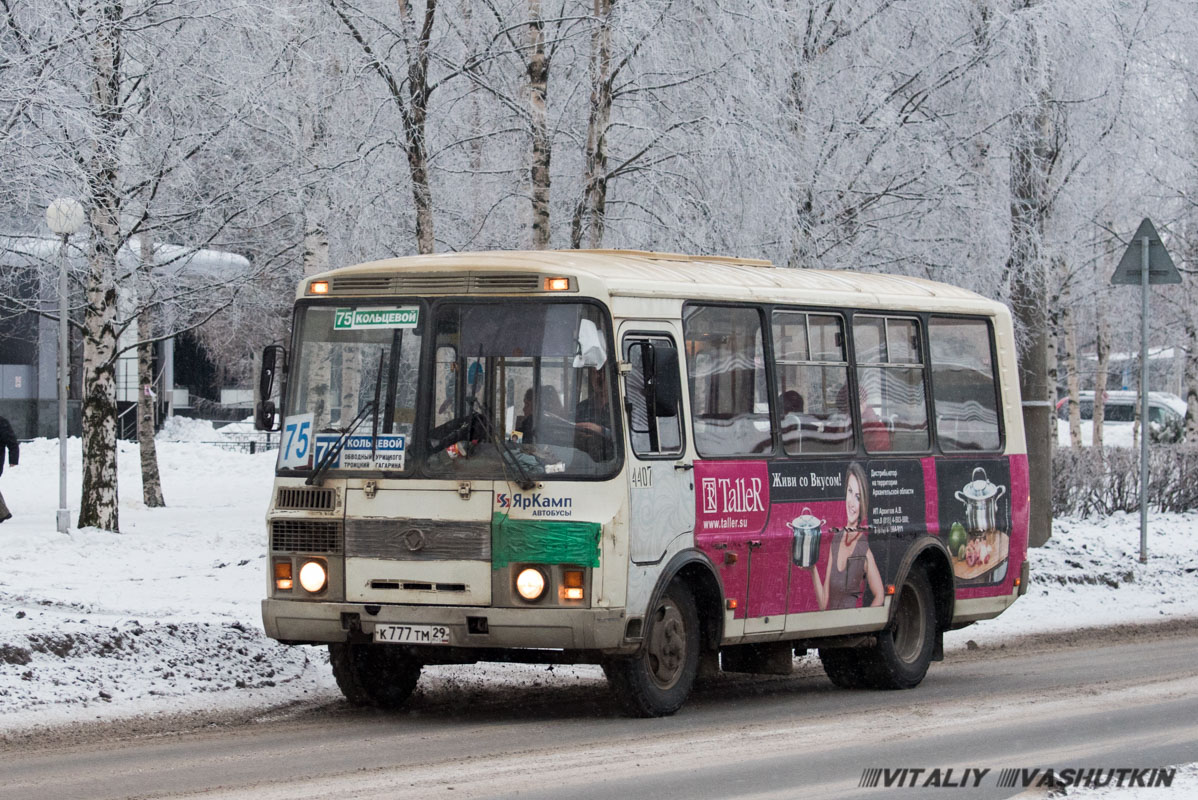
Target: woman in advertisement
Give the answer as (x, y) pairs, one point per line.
(851, 565)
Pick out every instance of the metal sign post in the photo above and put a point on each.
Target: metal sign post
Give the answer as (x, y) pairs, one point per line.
(1145, 262)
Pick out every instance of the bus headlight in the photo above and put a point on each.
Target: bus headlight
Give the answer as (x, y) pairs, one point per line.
(530, 583)
(313, 577)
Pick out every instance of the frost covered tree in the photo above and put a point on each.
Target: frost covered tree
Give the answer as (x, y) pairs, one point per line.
(133, 108)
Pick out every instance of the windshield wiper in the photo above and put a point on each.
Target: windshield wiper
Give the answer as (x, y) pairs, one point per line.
(335, 449)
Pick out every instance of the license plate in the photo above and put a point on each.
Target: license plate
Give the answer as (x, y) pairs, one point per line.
(412, 634)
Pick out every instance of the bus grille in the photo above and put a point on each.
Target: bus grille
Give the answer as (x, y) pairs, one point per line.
(306, 536)
(437, 283)
(305, 499)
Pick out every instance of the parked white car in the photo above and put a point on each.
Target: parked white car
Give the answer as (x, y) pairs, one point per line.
(1166, 415)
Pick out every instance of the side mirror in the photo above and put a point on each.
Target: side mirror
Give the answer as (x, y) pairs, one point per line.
(274, 357)
(662, 387)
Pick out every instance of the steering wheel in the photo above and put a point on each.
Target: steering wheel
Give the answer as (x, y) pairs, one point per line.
(469, 427)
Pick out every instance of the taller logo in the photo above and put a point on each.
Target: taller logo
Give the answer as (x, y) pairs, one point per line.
(731, 495)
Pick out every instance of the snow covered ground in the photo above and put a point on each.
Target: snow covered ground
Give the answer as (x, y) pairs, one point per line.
(164, 617)
(1114, 434)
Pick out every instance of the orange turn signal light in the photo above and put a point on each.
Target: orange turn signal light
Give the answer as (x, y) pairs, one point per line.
(731, 603)
(890, 589)
(283, 580)
(318, 287)
(572, 584)
(557, 284)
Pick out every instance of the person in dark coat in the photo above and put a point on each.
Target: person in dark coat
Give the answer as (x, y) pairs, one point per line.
(9, 444)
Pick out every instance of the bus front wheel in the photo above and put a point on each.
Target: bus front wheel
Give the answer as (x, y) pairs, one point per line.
(656, 681)
(378, 675)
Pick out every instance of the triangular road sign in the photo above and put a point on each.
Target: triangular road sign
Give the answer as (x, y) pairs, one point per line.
(1160, 266)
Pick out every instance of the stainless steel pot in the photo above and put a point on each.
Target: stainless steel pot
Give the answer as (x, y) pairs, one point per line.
(807, 529)
(980, 497)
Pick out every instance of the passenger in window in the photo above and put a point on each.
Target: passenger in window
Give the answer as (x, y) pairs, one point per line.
(851, 566)
(592, 418)
(525, 425)
(550, 406)
(874, 430)
(792, 402)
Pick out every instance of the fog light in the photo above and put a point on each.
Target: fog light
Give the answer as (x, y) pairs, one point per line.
(313, 577)
(283, 581)
(530, 583)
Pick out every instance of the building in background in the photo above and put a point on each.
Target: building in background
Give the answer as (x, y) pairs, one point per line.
(29, 340)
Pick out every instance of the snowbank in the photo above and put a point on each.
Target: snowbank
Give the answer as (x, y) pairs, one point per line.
(165, 616)
(185, 429)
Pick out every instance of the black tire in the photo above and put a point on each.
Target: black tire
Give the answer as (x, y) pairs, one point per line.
(903, 652)
(379, 675)
(845, 666)
(656, 681)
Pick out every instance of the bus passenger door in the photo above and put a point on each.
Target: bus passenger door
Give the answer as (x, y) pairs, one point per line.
(661, 483)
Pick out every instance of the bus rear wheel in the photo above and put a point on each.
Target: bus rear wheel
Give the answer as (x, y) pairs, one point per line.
(657, 680)
(903, 652)
(378, 675)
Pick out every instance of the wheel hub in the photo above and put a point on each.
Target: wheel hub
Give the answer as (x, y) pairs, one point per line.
(666, 651)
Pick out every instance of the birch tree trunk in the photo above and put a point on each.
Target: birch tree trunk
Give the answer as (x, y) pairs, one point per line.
(151, 481)
(1031, 159)
(411, 103)
(316, 260)
(1102, 349)
(1071, 374)
(588, 218)
(1191, 375)
(542, 147)
(1056, 332)
(98, 505)
(415, 120)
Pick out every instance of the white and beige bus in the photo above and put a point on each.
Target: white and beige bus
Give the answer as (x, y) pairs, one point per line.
(654, 462)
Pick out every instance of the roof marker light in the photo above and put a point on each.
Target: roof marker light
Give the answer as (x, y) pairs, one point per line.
(557, 284)
(318, 287)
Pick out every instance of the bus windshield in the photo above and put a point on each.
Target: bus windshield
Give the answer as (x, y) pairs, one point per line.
(518, 390)
(345, 357)
(521, 388)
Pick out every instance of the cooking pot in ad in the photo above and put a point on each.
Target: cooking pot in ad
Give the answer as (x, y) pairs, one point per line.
(807, 528)
(980, 497)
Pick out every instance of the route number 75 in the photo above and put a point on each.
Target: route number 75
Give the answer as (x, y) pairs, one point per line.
(297, 441)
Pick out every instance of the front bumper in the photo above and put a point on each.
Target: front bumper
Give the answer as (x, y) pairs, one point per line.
(564, 628)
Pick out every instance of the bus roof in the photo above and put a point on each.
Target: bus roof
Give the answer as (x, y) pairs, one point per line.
(643, 273)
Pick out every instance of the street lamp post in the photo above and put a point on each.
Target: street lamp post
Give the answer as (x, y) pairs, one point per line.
(64, 216)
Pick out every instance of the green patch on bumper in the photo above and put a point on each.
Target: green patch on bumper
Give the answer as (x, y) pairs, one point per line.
(543, 542)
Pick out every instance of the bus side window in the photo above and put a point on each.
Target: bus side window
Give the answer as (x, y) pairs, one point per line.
(890, 378)
(725, 356)
(964, 389)
(655, 414)
(812, 372)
